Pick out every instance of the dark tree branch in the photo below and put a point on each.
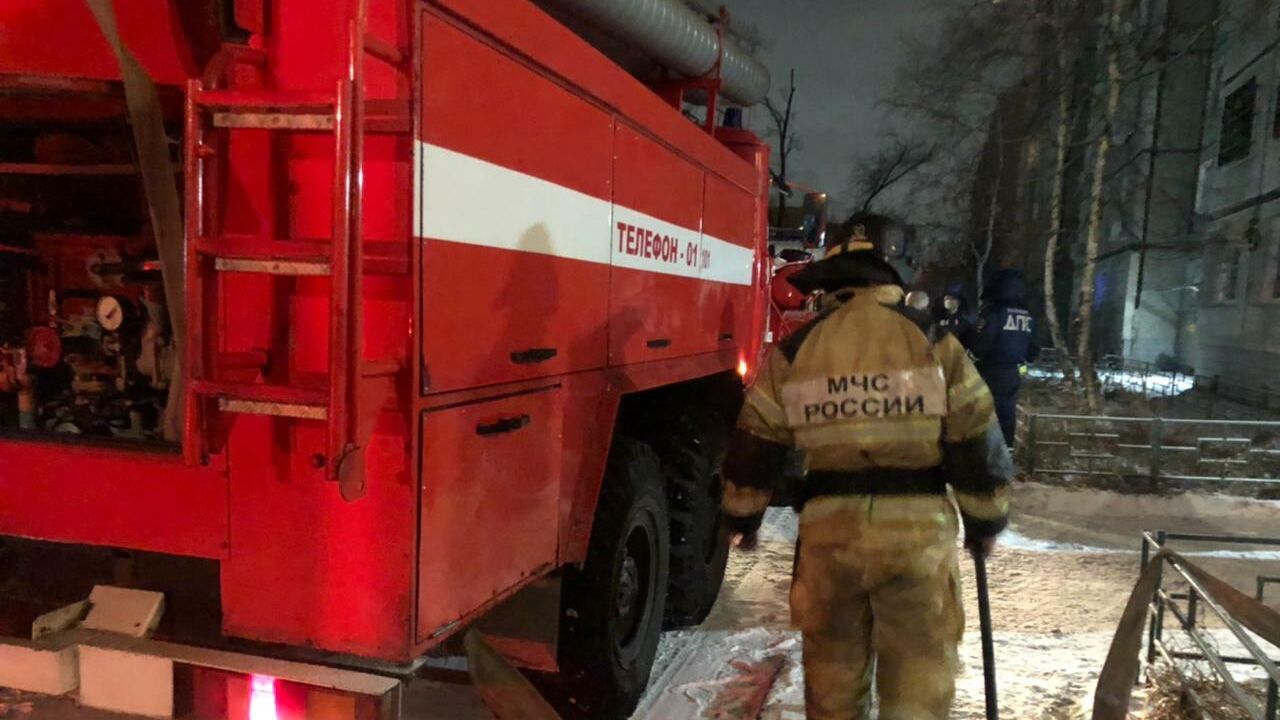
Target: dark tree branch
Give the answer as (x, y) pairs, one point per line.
(781, 114)
(877, 173)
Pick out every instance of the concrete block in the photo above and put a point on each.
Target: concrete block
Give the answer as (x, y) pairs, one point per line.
(64, 618)
(126, 682)
(44, 670)
(135, 613)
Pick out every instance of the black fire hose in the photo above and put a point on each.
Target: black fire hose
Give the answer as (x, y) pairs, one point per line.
(988, 643)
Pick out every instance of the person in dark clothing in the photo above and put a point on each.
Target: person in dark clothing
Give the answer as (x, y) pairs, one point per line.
(952, 315)
(1004, 341)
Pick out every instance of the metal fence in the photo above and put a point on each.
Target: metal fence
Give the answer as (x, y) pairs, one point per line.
(1117, 373)
(1144, 377)
(1165, 603)
(1213, 395)
(1156, 449)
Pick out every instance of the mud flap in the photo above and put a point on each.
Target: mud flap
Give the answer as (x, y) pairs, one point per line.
(507, 693)
(525, 628)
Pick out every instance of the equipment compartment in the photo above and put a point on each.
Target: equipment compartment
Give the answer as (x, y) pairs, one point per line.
(85, 343)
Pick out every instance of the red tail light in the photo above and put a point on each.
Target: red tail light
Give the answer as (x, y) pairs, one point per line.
(262, 698)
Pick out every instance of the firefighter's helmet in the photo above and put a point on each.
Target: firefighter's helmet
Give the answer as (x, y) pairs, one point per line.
(870, 232)
(871, 247)
(880, 236)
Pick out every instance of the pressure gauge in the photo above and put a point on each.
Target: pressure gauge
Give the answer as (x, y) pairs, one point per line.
(110, 313)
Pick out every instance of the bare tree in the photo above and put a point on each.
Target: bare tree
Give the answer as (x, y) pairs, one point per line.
(1061, 124)
(781, 113)
(950, 91)
(1093, 231)
(886, 168)
(1070, 70)
(981, 247)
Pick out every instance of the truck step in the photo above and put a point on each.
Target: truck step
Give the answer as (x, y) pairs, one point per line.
(241, 253)
(269, 110)
(298, 112)
(272, 400)
(271, 267)
(313, 122)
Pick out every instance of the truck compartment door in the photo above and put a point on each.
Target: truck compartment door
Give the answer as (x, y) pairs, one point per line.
(728, 232)
(513, 180)
(655, 295)
(490, 496)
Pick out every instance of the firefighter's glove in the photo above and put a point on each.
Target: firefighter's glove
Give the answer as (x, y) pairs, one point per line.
(744, 533)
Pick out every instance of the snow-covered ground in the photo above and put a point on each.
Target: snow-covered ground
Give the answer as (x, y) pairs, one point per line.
(1059, 583)
(1150, 383)
(712, 673)
(1048, 662)
(1014, 539)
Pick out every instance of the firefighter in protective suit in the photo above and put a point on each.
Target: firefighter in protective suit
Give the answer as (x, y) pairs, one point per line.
(890, 414)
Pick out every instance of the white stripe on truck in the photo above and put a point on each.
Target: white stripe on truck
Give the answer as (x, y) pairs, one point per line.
(467, 200)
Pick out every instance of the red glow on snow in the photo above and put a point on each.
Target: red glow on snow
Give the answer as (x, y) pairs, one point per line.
(262, 698)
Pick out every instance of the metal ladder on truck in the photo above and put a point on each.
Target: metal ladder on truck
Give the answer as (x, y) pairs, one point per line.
(210, 114)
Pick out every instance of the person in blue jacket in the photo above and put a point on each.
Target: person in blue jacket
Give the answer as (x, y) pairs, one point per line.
(1005, 340)
(951, 313)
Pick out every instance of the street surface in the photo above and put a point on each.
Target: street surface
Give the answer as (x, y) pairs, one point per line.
(1058, 584)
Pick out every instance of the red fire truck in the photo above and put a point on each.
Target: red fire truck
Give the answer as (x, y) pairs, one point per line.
(370, 317)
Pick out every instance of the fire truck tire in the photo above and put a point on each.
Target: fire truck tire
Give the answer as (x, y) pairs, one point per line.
(692, 457)
(613, 606)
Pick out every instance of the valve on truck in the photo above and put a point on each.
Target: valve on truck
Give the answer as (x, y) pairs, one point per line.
(98, 367)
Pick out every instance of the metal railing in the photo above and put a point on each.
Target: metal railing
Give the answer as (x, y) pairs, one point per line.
(1158, 449)
(1165, 603)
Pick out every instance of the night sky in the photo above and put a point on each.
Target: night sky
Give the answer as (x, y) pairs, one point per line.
(846, 54)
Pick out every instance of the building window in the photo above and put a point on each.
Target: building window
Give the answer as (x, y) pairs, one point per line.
(1227, 279)
(1237, 123)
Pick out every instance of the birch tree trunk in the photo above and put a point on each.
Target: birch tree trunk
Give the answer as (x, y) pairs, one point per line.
(983, 254)
(1102, 150)
(1055, 219)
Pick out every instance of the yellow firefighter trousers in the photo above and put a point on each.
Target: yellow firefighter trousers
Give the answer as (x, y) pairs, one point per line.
(876, 594)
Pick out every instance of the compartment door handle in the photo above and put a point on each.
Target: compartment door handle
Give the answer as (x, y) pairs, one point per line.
(533, 356)
(504, 425)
